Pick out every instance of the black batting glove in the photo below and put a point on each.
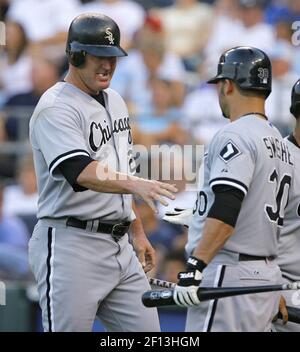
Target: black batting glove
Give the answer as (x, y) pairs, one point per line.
(193, 274)
(185, 292)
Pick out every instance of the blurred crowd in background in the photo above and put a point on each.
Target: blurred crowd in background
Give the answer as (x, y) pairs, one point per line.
(174, 47)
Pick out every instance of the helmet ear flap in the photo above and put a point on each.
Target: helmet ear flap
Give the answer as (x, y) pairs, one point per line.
(77, 58)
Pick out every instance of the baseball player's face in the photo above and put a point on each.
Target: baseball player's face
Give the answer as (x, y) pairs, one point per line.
(97, 72)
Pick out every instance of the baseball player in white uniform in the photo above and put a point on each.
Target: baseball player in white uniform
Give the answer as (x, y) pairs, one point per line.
(248, 171)
(81, 140)
(289, 241)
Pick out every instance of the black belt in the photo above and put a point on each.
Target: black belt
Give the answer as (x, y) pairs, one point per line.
(117, 230)
(247, 257)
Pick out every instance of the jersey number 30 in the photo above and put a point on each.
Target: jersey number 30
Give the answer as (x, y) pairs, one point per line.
(277, 214)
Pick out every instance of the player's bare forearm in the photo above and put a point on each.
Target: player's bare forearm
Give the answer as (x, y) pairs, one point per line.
(136, 227)
(99, 178)
(215, 235)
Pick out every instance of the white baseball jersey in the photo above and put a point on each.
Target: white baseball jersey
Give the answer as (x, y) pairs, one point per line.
(250, 155)
(68, 122)
(289, 242)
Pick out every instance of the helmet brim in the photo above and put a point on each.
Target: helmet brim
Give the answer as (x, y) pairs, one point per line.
(215, 79)
(99, 50)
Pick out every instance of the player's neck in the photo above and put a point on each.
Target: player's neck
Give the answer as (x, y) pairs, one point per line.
(242, 108)
(78, 83)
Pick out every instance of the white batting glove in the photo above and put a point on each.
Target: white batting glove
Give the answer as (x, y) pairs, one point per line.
(186, 296)
(179, 217)
(185, 292)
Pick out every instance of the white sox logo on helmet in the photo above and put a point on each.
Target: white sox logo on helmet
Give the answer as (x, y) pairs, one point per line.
(109, 36)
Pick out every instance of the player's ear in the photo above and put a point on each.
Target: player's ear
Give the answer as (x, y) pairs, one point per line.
(228, 87)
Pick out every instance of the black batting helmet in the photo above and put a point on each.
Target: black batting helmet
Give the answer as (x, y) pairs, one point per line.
(295, 104)
(250, 68)
(95, 34)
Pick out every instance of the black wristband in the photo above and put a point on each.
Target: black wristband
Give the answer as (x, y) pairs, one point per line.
(195, 263)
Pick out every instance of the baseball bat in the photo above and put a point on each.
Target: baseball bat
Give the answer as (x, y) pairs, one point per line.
(154, 298)
(294, 315)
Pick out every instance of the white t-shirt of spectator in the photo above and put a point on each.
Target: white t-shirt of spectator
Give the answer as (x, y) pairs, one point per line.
(131, 77)
(279, 102)
(17, 203)
(261, 36)
(228, 33)
(16, 78)
(220, 40)
(202, 113)
(128, 15)
(43, 19)
(186, 28)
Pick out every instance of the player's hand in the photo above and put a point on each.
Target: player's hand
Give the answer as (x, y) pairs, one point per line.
(144, 251)
(179, 217)
(185, 292)
(154, 191)
(283, 310)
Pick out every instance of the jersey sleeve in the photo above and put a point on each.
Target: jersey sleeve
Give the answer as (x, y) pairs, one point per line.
(59, 136)
(232, 161)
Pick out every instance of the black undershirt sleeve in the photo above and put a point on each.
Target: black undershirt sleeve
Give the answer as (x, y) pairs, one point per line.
(71, 169)
(227, 204)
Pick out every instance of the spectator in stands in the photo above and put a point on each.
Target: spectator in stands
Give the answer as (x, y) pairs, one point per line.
(238, 22)
(21, 199)
(161, 122)
(294, 7)
(225, 33)
(278, 103)
(255, 32)
(44, 74)
(15, 63)
(13, 246)
(128, 14)
(7, 161)
(173, 263)
(284, 31)
(287, 11)
(203, 116)
(188, 24)
(45, 22)
(149, 4)
(132, 78)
